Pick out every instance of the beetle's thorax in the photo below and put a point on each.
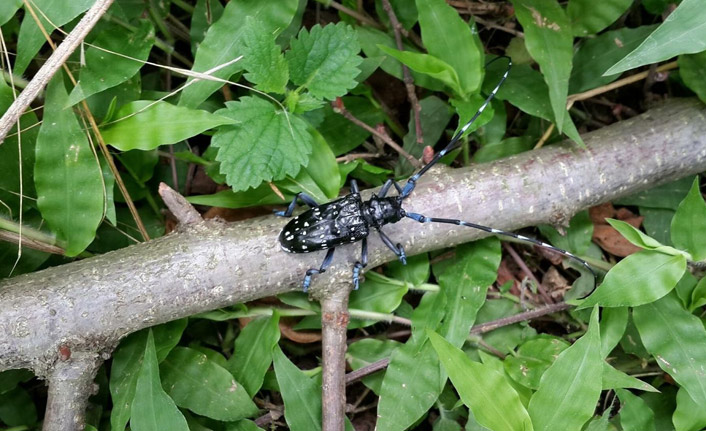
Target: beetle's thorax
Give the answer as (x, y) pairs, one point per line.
(380, 211)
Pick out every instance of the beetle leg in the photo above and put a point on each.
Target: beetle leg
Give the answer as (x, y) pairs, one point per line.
(398, 249)
(360, 265)
(386, 188)
(290, 209)
(325, 264)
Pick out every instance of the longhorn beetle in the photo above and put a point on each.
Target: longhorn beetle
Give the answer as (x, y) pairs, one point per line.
(350, 219)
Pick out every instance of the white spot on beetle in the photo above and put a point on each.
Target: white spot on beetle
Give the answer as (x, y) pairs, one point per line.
(306, 224)
(303, 247)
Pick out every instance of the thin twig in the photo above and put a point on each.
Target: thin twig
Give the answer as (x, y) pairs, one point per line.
(359, 16)
(355, 156)
(408, 80)
(523, 266)
(491, 24)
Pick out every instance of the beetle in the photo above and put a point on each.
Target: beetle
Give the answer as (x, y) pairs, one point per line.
(350, 219)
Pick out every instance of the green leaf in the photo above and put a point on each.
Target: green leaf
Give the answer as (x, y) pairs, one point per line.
(577, 237)
(486, 392)
(596, 55)
(638, 279)
(675, 338)
(465, 282)
(587, 19)
(262, 195)
(533, 358)
(17, 408)
(253, 352)
(642, 240)
(413, 381)
(224, 42)
(683, 32)
(570, 388)
(689, 223)
(343, 136)
(505, 148)
(415, 272)
(450, 39)
(204, 387)
(549, 40)
(104, 69)
(301, 395)
(377, 294)
(146, 124)
(263, 59)
(428, 65)
(614, 320)
(31, 38)
(67, 175)
(692, 69)
(152, 408)
(688, 416)
(8, 9)
(614, 379)
(635, 414)
(324, 60)
(265, 144)
(322, 166)
(205, 13)
(367, 351)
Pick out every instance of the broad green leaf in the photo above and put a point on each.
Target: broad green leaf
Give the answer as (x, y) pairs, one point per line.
(638, 279)
(689, 223)
(587, 19)
(104, 69)
(303, 182)
(486, 392)
(569, 389)
(412, 383)
(204, 387)
(262, 195)
(365, 352)
(688, 416)
(533, 358)
(266, 144)
(301, 395)
(614, 320)
(253, 352)
(322, 166)
(378, 294)
(415, 272)
(525, 89)
(67, 175)
(146, 124)
(657, 7)
(342, 135)
(601, 423)
(692, 69)
(8, 9)
(683, 32)
(635, 414)
(642, 240)
(447, 37)
(17, 408)
(224, 42)
(152, 408)
(698, 294)
(31, 38)
(665, 196)
(675, 338)
(468, 108)
(324, 60)
(206, 12)
(465, 282)
(427, 315)
(549, 40)
(577, 237)
(428, 65)
(263, 59)
(596, 55)
(505, 148)
(614, 379)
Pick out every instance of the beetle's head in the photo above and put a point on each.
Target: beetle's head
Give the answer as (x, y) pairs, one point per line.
(382, 211)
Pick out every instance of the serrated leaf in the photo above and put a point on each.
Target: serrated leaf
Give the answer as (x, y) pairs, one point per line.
(689, 223)
(692, 69)
(640, 239)
(570, 388)
(638, 279)
(301, 395)
(67, 175)
(450, 39)
(104, 69)
(31, 38)
(204, 387)
(224, 42)
(549, 40)
(587, 19)
(147, 124)
(266, 144)
(675, 338)
(324, 60)
(486, 392)
(253, 352)
(635, 414)
(263, 59)
(683, 32)
(428, 65)
(152, 408)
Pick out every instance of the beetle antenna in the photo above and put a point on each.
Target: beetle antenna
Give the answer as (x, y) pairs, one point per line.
(424, 219)
(411, 182)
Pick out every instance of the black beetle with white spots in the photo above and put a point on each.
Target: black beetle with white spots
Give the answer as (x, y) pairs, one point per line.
(350, 219)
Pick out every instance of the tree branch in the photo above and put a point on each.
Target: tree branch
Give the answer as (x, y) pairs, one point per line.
(88, 305)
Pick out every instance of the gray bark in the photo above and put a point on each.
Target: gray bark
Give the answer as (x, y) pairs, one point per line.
(89, 305)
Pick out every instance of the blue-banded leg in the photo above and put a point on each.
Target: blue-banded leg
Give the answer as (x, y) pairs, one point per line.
(290, 209)
(325, 264)
(362, 263)
(386, 187)
(397, 249)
